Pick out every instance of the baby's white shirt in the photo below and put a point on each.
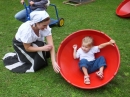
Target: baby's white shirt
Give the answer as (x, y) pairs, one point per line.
(89, 55)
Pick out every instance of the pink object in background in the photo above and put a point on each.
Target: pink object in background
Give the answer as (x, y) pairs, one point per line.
(123, 10)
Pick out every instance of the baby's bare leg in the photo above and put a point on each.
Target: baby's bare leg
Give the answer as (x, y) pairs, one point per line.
(101, 69)
(85, 71)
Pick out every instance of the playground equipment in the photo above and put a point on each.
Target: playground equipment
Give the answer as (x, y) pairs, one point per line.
(123, 10)
(69, 66)
(58, 21)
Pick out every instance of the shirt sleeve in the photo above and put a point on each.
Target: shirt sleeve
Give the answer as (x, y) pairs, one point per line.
(95, 49)
(25, 34)
(27, 37)
(78, 53)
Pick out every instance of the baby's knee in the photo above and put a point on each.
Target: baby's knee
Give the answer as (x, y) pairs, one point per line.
(102, 57)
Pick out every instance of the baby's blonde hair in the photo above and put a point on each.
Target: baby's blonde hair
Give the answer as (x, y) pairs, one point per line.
(88, 40)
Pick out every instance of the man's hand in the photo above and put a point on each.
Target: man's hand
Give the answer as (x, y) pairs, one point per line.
(31, 3)
(22, 1)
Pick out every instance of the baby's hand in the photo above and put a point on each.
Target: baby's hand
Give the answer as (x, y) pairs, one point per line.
(112, 42)
(74, 46)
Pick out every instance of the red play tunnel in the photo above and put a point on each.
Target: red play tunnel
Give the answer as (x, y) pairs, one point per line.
(123, 10)
(69, 66)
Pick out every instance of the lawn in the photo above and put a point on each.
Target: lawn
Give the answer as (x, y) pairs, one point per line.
(99, 15)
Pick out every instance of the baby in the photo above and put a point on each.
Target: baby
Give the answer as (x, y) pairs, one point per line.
(88, 63)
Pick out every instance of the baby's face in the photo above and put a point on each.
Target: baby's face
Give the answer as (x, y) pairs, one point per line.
(85, 47)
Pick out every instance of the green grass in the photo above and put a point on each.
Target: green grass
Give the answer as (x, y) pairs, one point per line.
(98, 15)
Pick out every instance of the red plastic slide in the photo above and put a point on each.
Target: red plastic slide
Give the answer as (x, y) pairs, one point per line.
(123, 10)
(69, 66)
